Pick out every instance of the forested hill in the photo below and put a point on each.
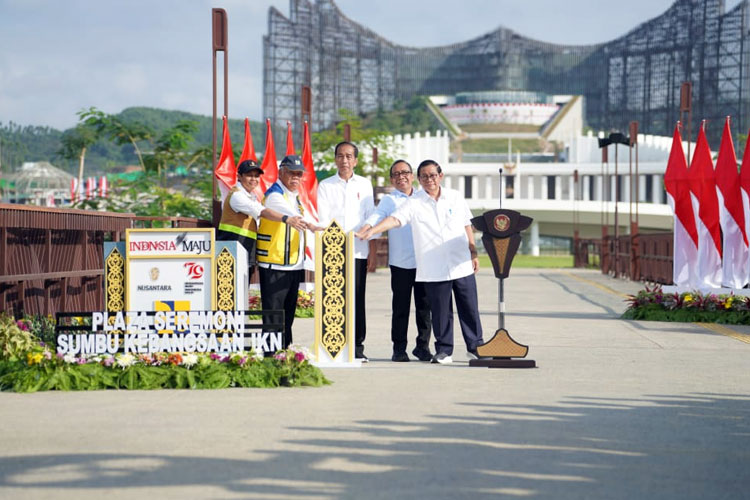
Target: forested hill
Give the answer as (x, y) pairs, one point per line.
(19, 144)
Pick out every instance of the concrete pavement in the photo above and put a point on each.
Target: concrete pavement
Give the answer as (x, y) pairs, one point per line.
(615, 409)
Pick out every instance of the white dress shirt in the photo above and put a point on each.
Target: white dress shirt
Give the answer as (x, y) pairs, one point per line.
(439, 230)
(347, 202)
(288, 205)
(245, 203)
(400, 242)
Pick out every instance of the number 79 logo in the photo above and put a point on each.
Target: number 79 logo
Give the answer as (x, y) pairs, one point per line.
(194, 270)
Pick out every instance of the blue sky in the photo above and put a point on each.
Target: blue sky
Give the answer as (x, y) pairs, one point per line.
(60, 56)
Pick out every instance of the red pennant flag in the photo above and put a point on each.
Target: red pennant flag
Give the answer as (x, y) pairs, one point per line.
(731, 214)
(226, 171)
(309, 181)
(289, 139)
(745, 192)
(685, 250)
(745, 172)
(269, 165)
(248, 152)
(703, 187)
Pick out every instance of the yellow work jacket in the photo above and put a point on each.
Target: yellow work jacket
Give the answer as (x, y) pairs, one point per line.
(278, 243)
(237, 226)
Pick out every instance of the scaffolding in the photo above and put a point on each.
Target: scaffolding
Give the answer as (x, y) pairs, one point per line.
(634, 77)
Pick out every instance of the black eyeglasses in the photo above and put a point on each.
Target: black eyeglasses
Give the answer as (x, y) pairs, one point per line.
(429, 177)
(402, 173)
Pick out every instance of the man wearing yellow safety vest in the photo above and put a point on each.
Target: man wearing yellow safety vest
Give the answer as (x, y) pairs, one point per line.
(281, 245)
(241, 210)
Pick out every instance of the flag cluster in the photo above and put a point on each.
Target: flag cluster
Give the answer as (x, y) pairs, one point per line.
(226, 171)
(711, 214)
(90, 188)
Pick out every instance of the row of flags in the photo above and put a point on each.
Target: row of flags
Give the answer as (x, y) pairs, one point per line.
(226, 169)
(711, 214)
(90, 188)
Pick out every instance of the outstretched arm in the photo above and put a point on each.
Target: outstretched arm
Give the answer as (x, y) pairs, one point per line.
(366, 232)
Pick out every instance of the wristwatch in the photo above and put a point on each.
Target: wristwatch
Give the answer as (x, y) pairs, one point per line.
(284, 218)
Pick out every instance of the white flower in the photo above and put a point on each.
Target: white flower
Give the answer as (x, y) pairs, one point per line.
(258, 354)
(70, 358)
(125, 360)
(190, 360)
(297, 348)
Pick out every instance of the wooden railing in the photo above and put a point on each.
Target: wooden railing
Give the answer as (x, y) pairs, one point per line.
(642, 257)
(51, 258)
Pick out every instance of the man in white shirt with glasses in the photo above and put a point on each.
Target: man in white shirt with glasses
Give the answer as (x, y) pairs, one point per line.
(446, 258)
(403, 266)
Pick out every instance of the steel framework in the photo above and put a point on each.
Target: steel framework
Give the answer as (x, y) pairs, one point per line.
(634, 77)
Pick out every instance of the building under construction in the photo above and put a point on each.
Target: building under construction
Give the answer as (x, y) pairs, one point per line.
(634, 77)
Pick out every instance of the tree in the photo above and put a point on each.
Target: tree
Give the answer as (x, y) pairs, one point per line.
(365, 138)
(75, 142)
(171, 147)
(117, 130)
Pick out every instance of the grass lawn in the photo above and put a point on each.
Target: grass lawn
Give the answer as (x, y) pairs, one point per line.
(549, 261)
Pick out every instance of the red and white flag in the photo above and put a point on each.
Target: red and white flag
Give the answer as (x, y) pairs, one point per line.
(745, 192)
(226, 171)
(309, 195)
(706, 205)
(73, 190)
(248, 153)
(676, 184)
(90, 188)
(103, 187)
(270, 166)
(731, 213)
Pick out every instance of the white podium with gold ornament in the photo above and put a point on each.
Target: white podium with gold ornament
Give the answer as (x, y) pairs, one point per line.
(334, 298)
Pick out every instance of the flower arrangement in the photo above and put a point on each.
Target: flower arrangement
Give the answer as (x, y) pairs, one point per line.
(28, 365)
(655, 305)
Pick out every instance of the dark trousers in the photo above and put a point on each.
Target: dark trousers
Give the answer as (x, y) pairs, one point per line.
(278, 290)
(441, 303)
(360, 323)
(402, 283)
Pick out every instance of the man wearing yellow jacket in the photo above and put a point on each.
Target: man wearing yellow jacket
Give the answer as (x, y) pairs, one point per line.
(281, 246)
(241, 210)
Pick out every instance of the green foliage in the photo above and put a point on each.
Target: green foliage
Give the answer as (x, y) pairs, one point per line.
(652, 304)
(405, 118)
(145, 195)
(43, 372)
(365, 138)
(15, 337)
(121, 136)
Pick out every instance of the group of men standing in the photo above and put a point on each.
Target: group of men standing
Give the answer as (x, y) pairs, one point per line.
(431, 248)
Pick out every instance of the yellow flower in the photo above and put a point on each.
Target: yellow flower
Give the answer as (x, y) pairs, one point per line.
(34, 358)
(728, 303)
(688, 298)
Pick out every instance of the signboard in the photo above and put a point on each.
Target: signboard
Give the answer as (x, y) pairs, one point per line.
(169, 269)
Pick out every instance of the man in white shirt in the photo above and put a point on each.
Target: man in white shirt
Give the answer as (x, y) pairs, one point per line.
(446, 258)
(403, 266)
(348, 199)
(281, 245)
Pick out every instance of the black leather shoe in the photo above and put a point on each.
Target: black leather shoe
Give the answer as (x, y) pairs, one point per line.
(400, 357)
(422, 354)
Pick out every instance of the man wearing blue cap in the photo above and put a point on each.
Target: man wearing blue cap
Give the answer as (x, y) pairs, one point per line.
(281, 245)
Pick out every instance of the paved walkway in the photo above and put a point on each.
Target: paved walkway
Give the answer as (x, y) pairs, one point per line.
(616, 409)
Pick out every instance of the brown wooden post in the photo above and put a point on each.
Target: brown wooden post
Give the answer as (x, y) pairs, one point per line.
(220, 38)
(347, 132)
(47, 268)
